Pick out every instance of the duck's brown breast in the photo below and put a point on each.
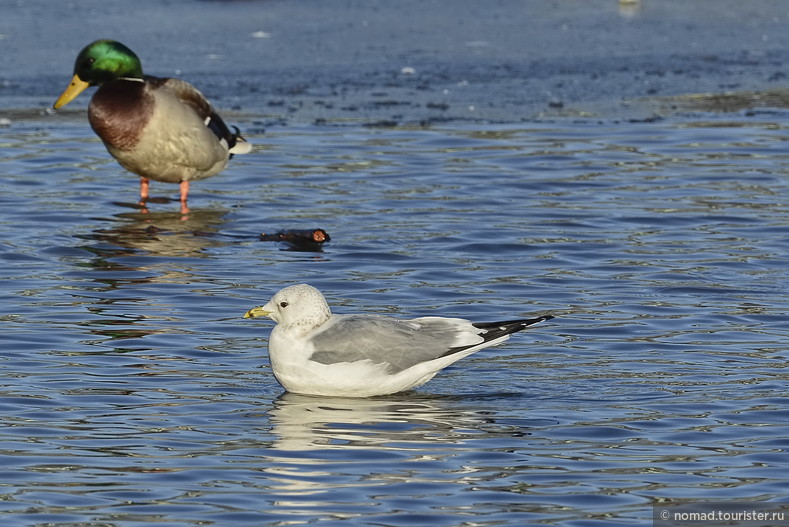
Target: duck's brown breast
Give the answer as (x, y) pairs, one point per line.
(119, 112)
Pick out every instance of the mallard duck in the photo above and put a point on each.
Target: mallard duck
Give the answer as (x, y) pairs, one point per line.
(158, 128)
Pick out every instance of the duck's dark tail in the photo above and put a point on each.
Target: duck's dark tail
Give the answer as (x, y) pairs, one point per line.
(238, 145)
(235, 143)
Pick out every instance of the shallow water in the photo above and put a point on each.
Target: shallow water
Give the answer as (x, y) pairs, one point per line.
(135, 394)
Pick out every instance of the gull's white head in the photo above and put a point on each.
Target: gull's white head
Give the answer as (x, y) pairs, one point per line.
(295, 305)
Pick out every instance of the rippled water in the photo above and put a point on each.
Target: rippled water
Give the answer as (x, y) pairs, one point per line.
(134, 393)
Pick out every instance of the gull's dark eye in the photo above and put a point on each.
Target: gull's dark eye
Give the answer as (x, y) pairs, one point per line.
(283, 304)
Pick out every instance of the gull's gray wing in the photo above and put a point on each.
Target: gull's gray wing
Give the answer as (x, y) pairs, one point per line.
(399, 344)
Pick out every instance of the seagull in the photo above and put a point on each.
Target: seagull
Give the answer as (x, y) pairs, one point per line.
(315, 352)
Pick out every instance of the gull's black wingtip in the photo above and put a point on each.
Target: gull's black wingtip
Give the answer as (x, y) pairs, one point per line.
(543, 318)
(493, 330)
(514, 325)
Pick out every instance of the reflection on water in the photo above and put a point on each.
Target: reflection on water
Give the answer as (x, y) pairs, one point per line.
(306, 423)
(134, 392)
(391, 447)
(166, 234)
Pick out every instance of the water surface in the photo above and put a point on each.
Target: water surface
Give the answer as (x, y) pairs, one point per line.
(135, 394)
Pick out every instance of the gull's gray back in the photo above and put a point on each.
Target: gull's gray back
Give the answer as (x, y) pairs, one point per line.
(399, 344)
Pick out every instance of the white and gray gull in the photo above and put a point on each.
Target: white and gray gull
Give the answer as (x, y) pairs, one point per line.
(315, 352)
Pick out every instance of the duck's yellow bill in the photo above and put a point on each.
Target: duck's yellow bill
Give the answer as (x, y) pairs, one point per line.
(76, 87)
(257, 312)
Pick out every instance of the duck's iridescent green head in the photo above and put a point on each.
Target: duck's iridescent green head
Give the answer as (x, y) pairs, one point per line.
(105, 60)
(97, 63)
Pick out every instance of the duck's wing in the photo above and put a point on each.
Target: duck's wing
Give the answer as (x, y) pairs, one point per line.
(191, 96)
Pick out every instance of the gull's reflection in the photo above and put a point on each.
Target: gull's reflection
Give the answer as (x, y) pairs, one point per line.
(302, 422)
(312, 435)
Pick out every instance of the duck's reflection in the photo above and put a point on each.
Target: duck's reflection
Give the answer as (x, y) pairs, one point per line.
(133, 254)
(169, 234)
(629, 8)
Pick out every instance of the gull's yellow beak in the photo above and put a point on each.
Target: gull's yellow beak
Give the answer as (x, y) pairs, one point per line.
(76, 87)
(257, 312)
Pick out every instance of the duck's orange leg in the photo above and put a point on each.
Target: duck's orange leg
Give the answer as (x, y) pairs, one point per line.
(184, 196)
(144, 184)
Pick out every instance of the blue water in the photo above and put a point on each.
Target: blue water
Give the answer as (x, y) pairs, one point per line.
(134, 393)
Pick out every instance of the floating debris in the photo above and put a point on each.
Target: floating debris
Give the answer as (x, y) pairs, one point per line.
(299, 239)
